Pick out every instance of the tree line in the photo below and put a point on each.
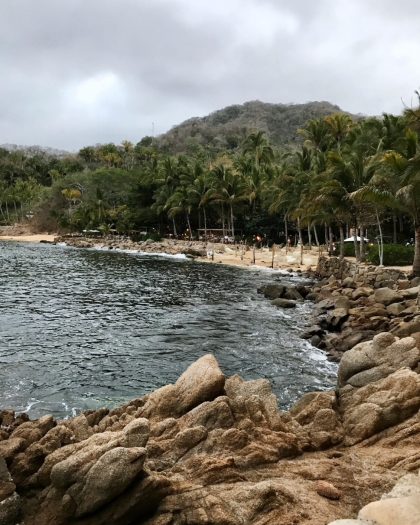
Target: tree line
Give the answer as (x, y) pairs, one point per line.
(346, 176)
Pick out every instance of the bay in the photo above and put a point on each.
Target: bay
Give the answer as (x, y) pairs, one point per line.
(80, 329)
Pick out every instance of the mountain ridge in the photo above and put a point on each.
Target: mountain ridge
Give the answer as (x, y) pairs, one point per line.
(226, 128)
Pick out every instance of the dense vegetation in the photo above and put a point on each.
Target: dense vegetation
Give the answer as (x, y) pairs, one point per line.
(227, 128)
(345, 175)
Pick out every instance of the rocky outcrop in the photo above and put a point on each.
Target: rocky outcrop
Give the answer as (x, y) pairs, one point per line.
(192, 249)
(211, 449)
(356, 302)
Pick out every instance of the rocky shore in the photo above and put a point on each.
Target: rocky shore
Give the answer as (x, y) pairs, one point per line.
(211, 449)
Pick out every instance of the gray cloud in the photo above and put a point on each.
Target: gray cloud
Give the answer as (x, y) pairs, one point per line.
(80, 72)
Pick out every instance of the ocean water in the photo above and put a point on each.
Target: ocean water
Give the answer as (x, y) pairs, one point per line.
(81, 329)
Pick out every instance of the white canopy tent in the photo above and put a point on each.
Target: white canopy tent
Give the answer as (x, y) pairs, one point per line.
(358, 239)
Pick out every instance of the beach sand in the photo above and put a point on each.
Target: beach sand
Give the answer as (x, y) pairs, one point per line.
(49, 237)
(236, 256)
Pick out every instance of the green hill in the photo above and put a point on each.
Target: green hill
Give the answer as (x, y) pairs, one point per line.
(226, 128)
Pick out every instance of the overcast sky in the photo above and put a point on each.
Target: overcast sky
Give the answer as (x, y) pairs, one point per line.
(79, 72)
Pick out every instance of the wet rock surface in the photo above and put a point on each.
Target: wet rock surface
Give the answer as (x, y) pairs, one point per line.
(211, 449)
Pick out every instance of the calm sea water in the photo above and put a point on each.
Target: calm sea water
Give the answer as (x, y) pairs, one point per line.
(81, 329)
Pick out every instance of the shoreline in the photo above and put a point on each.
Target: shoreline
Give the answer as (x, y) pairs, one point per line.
(231, 255)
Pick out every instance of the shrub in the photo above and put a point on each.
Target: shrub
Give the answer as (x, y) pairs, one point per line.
(348, 249)
(394, 255)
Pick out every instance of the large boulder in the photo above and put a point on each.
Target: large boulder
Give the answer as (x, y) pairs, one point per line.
(387, 296)
(272, 291)
(379, 405)
(373, 360)
(283, 303)
(202, 381)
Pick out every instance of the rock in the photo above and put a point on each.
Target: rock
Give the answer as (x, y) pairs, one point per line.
(335, 318)
(7, 487)
(401, 511)
(303, 290)
(411, 293)
(10, 447)
(316, 340)
(387, 296)
(311, 331)
(361, 292)
(342, 302)
(283, 303)
(327, 490)
(10, 510)
(108, 478)
(325, 304)
(373, 360)
(202, 381)
(379, 405)
(292, 294)
(406, 328)
(348, 282)
(213, 450)
(408, 485)
(272, 291)
(395, 308)
(316, 412)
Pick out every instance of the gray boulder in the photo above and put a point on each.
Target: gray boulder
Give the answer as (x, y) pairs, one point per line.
(283, 303)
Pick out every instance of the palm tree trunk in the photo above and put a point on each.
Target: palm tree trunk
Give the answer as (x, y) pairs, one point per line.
(205, 224)
(341, 242)
(416, 262)
(299, 232)
(362, 244)
(231, 221)
(223, 223)
(286, 234)
(189, 225)
(309, 238)
(316, 236)
(381, 241)
(300, 241)
(394, 228)
(356, 244)
(330, 234)
(174, 226)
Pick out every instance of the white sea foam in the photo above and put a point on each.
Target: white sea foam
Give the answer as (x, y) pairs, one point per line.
(179, 256)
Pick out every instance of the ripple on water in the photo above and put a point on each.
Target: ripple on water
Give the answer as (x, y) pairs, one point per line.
(81, 329)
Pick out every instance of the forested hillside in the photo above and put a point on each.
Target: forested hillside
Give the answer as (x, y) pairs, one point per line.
(226, 128)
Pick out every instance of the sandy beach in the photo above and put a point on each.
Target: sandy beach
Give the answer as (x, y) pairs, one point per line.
(264, 257)
(39, 237)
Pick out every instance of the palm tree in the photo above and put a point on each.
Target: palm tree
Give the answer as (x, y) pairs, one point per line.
(199, 191)
(256, 160)
(229, 189)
